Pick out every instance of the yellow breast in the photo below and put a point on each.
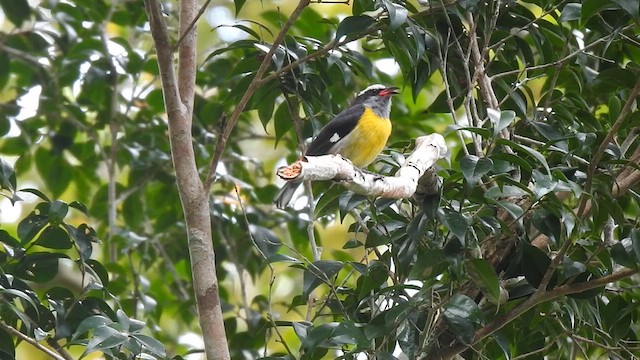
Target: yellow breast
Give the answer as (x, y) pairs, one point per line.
(367, 139)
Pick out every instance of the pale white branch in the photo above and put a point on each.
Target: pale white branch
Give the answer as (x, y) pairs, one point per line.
(428, 150)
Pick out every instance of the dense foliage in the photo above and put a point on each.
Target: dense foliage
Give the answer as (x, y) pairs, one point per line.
(530, 248)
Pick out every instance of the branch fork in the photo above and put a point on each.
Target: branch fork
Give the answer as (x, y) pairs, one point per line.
(428, 150)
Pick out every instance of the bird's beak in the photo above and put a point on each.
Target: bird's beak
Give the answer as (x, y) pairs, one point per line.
(390, 91)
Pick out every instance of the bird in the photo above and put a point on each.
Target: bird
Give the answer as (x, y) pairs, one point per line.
(358, 133)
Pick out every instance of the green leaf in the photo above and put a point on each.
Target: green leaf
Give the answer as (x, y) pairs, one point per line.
(635, 242)
(266, 240)
(376, 275)
(282, 121)
(8, 239)
(461, 313)
(535, 264)
(353, 24)
(591, 8)
(105, 337)
(55, 171)
(151, 345)
(17, 11)
(543, 184)
(587, 294)
(504, 191)
(53, 237)
(617, 316)
(238, 4)
(57, 211)
(623, 253)
(317, 273)
(30, 226)
(429, 264)
(457, 223)
(397, 14)
(615, 106)
(39, 267)
(484, 276)
(7, 176)
(473, 168)
(534, 153)
(80, 207)
(84, 237)
(630, 6)
(500, 119)
(7, 347)
(571, 12)
(484, 133)
(89, 324)
(352, 244)
(548, 224)
(37, 193)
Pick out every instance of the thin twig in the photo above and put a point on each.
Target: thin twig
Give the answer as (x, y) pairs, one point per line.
(537, 298)
(253, 86)
(272, 276)
(191, 25)
(114, 127)
(31, 341)
(605, 142)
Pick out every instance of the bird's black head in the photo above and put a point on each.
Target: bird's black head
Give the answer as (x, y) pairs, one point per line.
(378, 90)
(378, 98)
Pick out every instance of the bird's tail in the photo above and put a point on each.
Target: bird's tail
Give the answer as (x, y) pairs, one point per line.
(285, 194)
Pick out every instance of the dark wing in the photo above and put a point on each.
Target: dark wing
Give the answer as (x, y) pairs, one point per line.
(335, 130)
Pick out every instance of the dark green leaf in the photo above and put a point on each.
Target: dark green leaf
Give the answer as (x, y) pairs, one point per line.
(8, 239)
(30, 226)
(473, 168)
(317, 273)
(353, 24)
(635, 242)
(571, 12)
(397, 14)
(266, 240)
(39, 267)
(7, 176)
(534, 264)
(630, 6)
(623, 253)
(53, 237)
(506, 191)
(151, 345)
(7, 347)
(519, 147)
(484, 276)
(461, 313)
(457, 223)
(500, 119)
(55, 171)
(591, 8)
(17, 11)
(282, 121)
(352, 244)
(238, 4)
(548, 224)
(587, 294)
(37, 193)
(57, 212)
(105, 337)
(90, 324)
(84, 237)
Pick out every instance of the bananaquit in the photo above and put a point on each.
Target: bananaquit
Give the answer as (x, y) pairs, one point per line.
(358, 133)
